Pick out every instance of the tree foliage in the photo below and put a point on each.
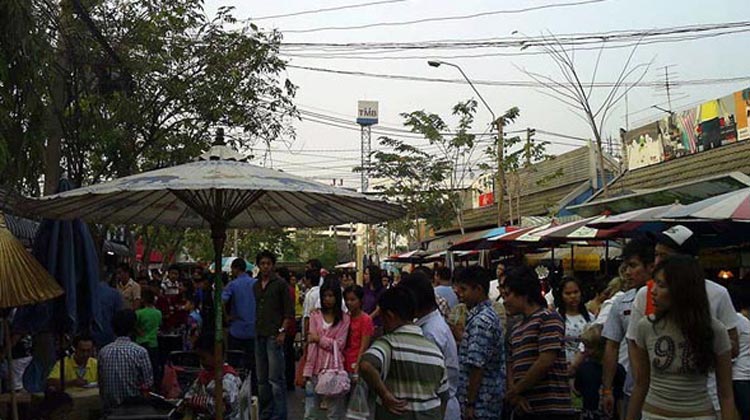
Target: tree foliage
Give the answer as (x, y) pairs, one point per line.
(143, 84)
(199, 245)
(429, 181)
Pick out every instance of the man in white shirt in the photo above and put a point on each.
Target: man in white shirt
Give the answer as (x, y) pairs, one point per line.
(494, 293)
(681, 240)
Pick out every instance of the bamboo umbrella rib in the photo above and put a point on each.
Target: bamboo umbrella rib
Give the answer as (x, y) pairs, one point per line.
(345, 204)
(314, 203)
(136, 213)
(291, 209)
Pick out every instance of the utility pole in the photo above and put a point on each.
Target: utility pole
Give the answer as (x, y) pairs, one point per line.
(527, 149)
(500, 184)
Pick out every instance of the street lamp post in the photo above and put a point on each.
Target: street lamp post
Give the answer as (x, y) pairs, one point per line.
(499, 123)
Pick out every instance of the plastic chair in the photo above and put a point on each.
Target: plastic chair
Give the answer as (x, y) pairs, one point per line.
(236, 359)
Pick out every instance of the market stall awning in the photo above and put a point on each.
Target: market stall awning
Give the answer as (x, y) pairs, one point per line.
(474, 240)
(416, 256)
(684, 193)
(733, 206)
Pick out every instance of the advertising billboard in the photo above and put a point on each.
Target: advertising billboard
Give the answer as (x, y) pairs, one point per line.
(367, 112)
(709, 125)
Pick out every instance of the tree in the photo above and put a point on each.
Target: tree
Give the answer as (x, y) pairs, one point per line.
(517, 164)
(145, 81)
(577, 95)
(282, 242)
(429, 183)
(25, 68)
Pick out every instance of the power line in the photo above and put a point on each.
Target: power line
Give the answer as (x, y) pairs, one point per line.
(510, 83)
(324, 10)
(444, 18)
(579, 38)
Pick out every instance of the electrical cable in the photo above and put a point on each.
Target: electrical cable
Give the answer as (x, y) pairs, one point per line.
(324, 10)
(444, 18)
(511, 83)
(627, 35)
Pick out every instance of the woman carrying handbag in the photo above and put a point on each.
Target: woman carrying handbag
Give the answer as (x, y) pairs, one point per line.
(326, 380)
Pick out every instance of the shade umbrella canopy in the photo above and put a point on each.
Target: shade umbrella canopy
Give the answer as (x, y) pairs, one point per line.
(23, 281)
(733, 206)
(195, 194)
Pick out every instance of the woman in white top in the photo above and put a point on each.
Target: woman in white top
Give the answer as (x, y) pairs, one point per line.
(677, 347)
(573, 311)
(740, 292)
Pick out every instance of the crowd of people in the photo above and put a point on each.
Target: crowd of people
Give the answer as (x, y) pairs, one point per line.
(658, 341)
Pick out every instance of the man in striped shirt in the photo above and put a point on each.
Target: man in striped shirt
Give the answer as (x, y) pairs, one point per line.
(405, 370)
(538, 385)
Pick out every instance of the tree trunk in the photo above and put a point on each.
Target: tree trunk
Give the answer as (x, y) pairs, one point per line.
(597, 134)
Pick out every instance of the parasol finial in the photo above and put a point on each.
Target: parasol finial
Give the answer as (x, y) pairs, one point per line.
(219, 137)
(220, 151)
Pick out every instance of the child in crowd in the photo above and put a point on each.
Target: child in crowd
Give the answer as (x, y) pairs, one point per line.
(147, 327)
(588, 379)
(361, 328)
(193, 326)
(199, 398)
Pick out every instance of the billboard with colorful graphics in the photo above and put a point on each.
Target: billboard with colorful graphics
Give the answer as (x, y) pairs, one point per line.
(709, 125)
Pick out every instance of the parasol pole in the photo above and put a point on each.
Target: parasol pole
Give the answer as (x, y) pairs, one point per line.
(9, 354)
(219, 236)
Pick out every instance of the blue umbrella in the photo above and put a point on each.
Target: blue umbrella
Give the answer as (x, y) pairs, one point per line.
(67, 250)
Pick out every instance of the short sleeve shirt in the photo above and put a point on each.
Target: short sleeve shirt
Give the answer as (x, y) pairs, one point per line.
(149, 320)
(131, 293)
(675, 383)
(359, 327)
(574, 327)
(482, 347)
(413, 369)
(540, 332)
(73, 371)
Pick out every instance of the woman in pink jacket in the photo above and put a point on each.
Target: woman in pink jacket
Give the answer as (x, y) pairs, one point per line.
(329, 327)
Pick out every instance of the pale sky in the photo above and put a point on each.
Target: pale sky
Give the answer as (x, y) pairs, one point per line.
(331, 152)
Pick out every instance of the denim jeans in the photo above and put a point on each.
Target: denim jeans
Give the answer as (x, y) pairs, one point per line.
(742, 398)
(269, 363)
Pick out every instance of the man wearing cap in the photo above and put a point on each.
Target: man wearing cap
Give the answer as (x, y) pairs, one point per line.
(681, 240)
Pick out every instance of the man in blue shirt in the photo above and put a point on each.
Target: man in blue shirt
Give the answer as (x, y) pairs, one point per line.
(436, 330)
(481, 355)
(110, 302)
(242, 315)
(444, 287)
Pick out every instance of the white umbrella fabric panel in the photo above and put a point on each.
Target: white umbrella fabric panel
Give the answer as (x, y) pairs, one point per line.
(239, 194)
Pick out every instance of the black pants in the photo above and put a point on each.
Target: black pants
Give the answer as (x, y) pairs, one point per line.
(290, 361)
(156, 367)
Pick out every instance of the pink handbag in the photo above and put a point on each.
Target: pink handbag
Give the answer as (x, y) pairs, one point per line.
(333, 380)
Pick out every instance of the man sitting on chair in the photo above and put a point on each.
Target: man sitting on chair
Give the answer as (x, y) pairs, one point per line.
(80, 368)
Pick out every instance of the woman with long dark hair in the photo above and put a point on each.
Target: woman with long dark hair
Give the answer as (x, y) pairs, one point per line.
(677, 347)
(329, 327)
(573, 311)
(373, 284)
